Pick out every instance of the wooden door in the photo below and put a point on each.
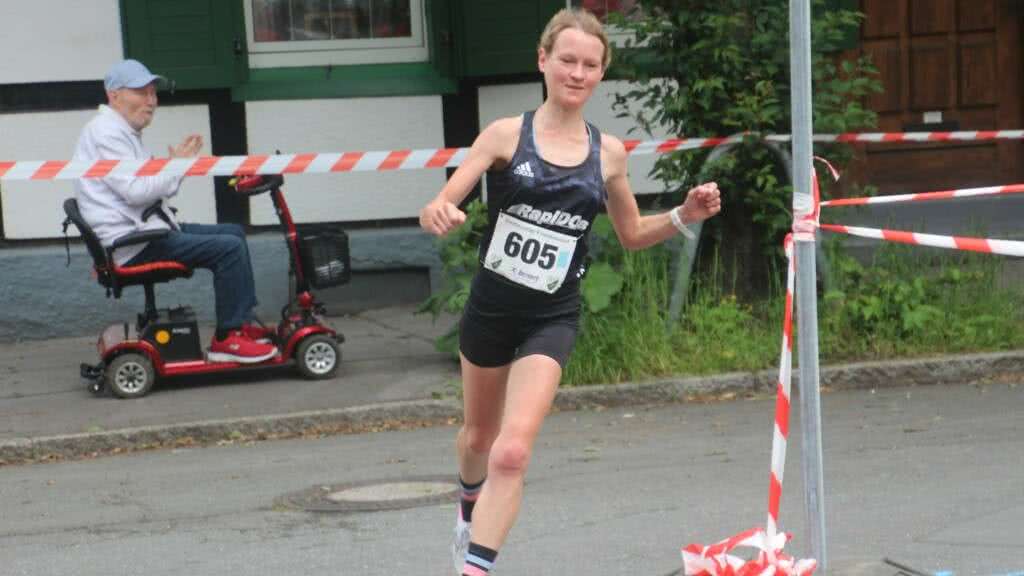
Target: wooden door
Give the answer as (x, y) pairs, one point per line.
(945, 65)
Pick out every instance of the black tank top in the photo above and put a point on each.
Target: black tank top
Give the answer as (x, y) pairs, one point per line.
(564, 199)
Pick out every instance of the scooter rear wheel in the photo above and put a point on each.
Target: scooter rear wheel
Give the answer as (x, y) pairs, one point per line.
(130, 375)
(318, 356)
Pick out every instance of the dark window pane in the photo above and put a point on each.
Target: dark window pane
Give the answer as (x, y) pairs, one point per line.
(351, 19)
(270, 21)
(311, 19)
(296, 20)
(391, 19)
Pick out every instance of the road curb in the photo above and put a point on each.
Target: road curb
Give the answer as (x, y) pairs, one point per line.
(418, 413)
(966, 368)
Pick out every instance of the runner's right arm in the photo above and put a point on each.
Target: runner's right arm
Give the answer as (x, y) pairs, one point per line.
(495, 144)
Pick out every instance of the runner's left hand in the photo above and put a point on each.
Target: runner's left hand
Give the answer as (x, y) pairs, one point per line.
(702, 202)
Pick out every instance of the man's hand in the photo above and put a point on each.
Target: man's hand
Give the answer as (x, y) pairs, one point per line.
(702, 202)
(189, 147)
(441, 217)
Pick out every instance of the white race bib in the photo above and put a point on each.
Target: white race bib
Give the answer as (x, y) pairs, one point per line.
(529, 255)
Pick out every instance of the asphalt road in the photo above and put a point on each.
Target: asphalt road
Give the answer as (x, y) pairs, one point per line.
(930, 476)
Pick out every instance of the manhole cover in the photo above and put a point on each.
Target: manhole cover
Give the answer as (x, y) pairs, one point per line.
(374, 495)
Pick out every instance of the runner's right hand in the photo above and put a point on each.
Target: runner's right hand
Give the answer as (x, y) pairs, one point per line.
(441, 217)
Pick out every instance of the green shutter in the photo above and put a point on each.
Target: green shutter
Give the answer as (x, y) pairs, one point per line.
(195, 43)
(500, 36)
(441, 30)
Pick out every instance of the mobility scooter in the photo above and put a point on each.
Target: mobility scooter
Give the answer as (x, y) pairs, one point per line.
(166, 342)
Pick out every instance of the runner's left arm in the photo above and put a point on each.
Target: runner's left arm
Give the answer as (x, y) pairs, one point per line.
(635, 231)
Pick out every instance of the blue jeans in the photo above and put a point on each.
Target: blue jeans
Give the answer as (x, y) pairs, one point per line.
(220, 248)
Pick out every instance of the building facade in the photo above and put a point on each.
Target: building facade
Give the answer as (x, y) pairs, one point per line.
(258, 76)
(255, 77)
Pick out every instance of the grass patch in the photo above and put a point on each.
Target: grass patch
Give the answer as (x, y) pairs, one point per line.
(904, 303)
(907, 302)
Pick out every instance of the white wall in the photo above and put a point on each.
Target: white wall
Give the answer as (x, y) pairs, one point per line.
(33, 209)
(506, 100)
(58, 40)
(599, 112)
(348, 125)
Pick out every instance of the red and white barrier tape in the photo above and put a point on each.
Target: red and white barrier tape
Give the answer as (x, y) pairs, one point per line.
(897, 137)
(987, 245)
(927, 196)
(716, 560)
(781, 432)
(237, 165)
(321, 163)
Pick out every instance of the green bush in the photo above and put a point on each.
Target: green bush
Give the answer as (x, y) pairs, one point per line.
(717, 68)
(909, 301)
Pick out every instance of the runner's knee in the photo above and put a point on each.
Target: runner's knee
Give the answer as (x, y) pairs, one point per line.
(509, 457)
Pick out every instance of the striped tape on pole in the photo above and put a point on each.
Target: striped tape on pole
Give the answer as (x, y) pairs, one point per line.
(781, 433)
(717, 559)
(324, 163)
(986, 245)
(928, 196)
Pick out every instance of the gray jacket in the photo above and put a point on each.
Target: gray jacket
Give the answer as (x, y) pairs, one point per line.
(113, 205)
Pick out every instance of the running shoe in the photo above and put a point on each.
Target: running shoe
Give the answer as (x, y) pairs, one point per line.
(461, 543)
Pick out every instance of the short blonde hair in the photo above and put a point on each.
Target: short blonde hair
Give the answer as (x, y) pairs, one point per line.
(582, 20)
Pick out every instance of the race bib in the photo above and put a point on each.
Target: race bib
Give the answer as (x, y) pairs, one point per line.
(529, 255)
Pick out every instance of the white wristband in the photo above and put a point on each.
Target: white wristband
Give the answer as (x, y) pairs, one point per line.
(673, 214)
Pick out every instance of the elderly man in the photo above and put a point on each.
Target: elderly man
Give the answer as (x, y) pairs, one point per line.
(115, 206)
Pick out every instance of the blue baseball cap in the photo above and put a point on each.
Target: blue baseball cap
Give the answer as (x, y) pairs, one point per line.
(131, 74)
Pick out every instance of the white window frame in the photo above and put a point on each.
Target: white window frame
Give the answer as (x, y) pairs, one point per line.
(340, 52)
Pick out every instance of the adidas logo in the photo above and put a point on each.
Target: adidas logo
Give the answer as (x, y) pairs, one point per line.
(524, 170)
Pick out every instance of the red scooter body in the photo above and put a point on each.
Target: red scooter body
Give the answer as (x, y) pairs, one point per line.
(133, 356)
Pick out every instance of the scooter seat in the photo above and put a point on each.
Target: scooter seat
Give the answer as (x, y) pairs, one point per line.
(159, 271)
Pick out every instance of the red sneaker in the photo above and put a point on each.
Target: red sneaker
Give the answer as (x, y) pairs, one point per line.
(258, 333)
(239, 348)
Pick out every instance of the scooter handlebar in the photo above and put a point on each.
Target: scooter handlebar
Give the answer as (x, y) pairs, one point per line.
(256, 184)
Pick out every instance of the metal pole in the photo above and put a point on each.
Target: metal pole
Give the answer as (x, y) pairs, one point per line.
(686, 253)
(807, 297)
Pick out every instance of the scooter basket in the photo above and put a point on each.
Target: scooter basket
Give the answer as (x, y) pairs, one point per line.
(324, 253)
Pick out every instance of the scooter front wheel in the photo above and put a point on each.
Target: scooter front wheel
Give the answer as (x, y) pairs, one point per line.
(318, 356)
(130, 375)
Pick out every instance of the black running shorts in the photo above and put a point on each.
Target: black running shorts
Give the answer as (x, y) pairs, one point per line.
(498, 327)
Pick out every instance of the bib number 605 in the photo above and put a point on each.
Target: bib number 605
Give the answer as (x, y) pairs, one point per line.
(531, 250)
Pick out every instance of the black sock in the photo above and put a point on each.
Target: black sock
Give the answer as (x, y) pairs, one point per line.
(222, 333)
(468, 494)
(479, 560)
